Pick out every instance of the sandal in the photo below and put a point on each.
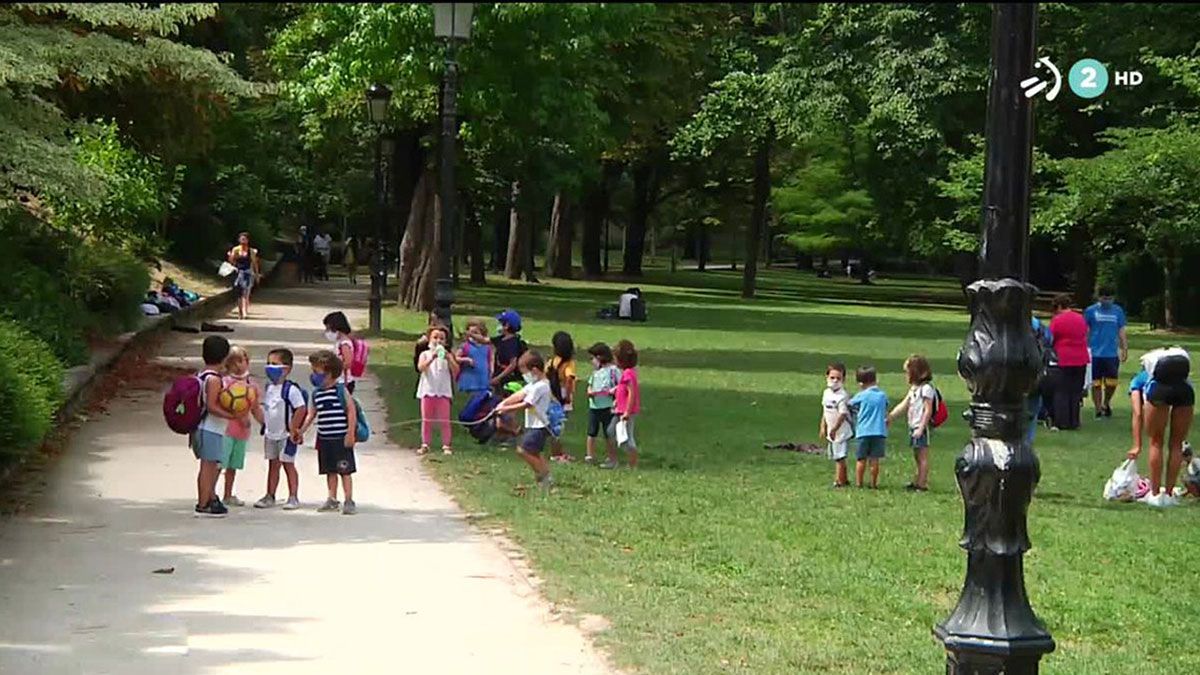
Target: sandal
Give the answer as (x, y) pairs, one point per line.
(423, 450)
(446, 450)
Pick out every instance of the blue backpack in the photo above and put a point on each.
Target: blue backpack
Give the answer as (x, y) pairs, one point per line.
(288, 410)
(362, 430)
(556, 418)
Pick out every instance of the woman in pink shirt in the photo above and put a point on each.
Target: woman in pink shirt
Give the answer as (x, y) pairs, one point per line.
(628, 402)
(1070, 333)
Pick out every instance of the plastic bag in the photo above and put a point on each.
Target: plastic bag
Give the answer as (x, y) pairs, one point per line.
(226, 269)
(1123, 485)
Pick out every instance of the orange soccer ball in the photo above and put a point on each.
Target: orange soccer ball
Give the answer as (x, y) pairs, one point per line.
(237, 398)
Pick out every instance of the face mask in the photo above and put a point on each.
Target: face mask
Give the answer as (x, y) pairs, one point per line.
(275, 373)
(528, 378)
(833, 384)
(330, 335)
(317, 379)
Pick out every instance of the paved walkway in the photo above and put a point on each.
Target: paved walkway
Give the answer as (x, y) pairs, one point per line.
(405, 586)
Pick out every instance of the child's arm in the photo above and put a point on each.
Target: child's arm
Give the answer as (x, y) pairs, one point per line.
(837, 426)
(257, 411)
(309, 417)
(425, 360)
(505, 373)
(900, 409)
(454, 367)
(635, 397)
(514, 402)
(569, 391)
(926, 415)
(1135, 400)
(822, 432)
(351, 421)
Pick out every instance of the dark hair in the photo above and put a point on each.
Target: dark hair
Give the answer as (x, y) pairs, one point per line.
(243, 234)
(532, 360)
(438, 328)
(838, 366)
(285, 356)
(215, 349)
(601, 351)
(564, 346)
(328, 362)
(336, 321)
(626, 354)
(918, 370)
(866, 375)
(1062, 301)
(1106, 292)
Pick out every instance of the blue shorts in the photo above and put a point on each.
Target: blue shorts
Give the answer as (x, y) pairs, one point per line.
(918, 442)
(208, 446)
(871, 447)
(534, 440)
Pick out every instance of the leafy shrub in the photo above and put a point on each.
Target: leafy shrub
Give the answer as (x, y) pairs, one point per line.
(108, 284)
(30, 393)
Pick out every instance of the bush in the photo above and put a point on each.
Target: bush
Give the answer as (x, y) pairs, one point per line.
(30, 393)
(108, 284)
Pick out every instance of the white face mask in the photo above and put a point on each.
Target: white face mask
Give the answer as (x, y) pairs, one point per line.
(833, 384)
(528, 378)
(330, 335)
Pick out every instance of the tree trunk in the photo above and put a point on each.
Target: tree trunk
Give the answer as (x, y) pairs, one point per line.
(595, 207)
(500, 236)
(562, 234)
(1085, 271)
(408, 162)
(530, 219)
(516, 240)
(1168, 294)
(635, 231)
(473, 242)
(758, 216)
(419, 247)
(704, 248)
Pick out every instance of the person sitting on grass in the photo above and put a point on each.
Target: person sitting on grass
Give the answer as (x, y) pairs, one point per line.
(534, 399)
(870, 408)
(835, 421)
(1191, 471)
(919, 406)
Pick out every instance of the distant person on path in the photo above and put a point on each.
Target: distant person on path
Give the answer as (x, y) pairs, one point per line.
(304, 247)
(336, 420)
(870, 409)
(249, 271)
(1070, 333)
(208, 441)
(435, 389)
(350, 260)
(1110, 348)
(285, 408)
(835, 425)
(323, 245)
(602, 386)
(1170, 402)
(919, 407)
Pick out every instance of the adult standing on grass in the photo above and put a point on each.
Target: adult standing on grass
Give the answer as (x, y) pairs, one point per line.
(1110, 348)
(1070, 333)
(245, 259)
(1170, 401)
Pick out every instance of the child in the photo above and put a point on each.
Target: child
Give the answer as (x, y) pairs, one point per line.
(628, 403)
(286, 408)
(208, 441)
(337, 331)
(435, 389)
(475, 359)
(1191, 471)
(601, 387)
(534, 399)
(835, 421)
(919, 405)
(336, 418)
(237, 434)
(561, 371)
(870, 407)
(509, 348)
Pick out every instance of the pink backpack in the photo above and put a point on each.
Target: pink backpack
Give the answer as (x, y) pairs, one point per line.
(184, 405)
(358, 362)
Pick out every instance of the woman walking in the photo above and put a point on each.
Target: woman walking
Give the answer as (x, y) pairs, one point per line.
(1070, 333)
(245, 259)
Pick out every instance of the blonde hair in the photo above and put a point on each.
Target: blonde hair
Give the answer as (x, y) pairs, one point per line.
(478, 322)
(236, 354)
(918, 370)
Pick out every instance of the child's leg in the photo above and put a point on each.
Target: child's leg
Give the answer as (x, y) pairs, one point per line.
(534, 462)
(273, 477)
(427, 420)
(874, 473)
(331, 481)
(860, 468)
(348, 487)
(230, 474)
(293, 480)
(922, 467)
(591, 447)
(206, 481)
(839, 475)
(631, 448)
(442, 412)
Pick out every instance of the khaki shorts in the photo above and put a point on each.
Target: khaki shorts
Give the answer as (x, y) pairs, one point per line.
(283, 450)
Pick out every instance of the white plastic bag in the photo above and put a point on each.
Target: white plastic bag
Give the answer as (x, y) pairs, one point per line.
(1123, 484)
(622, 432)
(226, 269)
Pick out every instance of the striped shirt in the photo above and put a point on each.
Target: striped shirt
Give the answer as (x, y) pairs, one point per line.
(331, 414)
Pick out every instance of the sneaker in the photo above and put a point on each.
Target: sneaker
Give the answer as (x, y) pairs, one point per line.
(329, 505)
(349, 508)
(589, 460)
(545, 481)
(234, 501)
(292, 504)
(423, 450)
(1099, 414)
(446, 450)
(839, 486)
(214, 509)
(609, 465)
(265, 503)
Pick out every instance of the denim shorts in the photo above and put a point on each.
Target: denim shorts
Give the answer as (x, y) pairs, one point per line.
(871, 447)
(208, 446)
(918, 442)
(534, 440)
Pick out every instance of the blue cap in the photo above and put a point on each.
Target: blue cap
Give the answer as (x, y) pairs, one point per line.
(511, 319)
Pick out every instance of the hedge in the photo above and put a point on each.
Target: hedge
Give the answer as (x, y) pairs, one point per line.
(30, 393)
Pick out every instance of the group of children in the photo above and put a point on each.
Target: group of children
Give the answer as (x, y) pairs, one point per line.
(285, 414)
(537, 387)
(865, 418)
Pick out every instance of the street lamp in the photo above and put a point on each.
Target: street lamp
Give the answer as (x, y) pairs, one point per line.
(993, 628)
(451, 22)
(378, 100)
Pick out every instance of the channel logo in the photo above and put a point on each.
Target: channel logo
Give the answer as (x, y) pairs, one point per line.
(1035, 85)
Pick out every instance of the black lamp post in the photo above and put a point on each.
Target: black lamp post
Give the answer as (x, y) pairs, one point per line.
(993, 629)
(378, 99)
(451, 22)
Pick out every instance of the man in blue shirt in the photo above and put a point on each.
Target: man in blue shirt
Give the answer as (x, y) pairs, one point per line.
(870, 408)
(1110, 348)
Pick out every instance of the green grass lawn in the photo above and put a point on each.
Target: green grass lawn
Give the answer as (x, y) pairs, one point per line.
(718, 556)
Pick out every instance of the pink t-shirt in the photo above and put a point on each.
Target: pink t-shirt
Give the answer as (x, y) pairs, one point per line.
(237, 429)
(1070, 333)
(629, 395)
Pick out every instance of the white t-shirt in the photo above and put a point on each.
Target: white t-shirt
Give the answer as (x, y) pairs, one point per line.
(337, 349)
(916, 403)
(537, 395)
(837, 403)
(323, 243)
(213, 423)
(277, 421)
(625, 305)
(435, 380)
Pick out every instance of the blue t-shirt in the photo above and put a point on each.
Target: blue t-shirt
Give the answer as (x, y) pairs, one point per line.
(870, 408)
(1104, 325)
(1139, 382)
(477, 377)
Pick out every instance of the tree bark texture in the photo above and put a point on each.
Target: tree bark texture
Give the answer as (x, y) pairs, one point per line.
(419, 247)
(473, 243)
(645, 185)
(515, 259)
(408, 162)
(1168, 294)
(562, 236)
(500, 238)
(758, 215)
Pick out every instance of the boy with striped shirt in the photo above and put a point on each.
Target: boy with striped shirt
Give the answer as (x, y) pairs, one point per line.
(335, 415)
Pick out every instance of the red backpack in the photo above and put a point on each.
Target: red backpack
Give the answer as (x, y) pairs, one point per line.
(358, 361)
(184, 405)
(940, 412)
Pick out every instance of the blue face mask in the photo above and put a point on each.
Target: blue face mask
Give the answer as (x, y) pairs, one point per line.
(275, 372)
(317, 379)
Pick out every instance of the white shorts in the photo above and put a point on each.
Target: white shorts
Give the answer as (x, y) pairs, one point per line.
(838, 450)
(283, 450)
